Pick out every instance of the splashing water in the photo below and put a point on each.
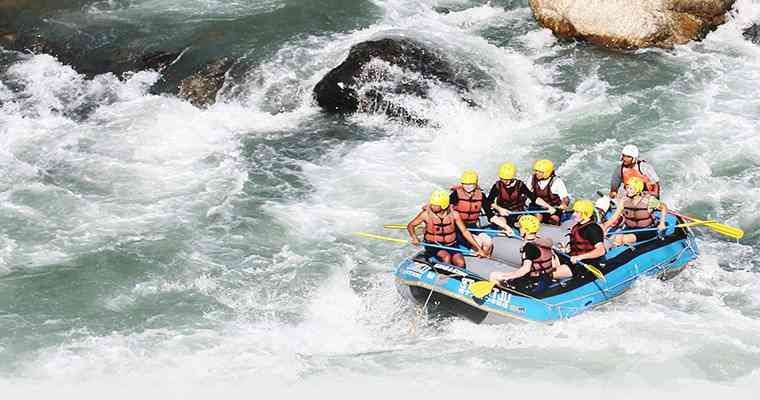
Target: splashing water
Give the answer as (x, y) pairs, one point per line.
(195, 251)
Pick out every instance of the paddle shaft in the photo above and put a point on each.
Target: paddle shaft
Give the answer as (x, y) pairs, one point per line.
(590, 268)
(623, 232)
(467, 273)
(457, 249)
(527, 212)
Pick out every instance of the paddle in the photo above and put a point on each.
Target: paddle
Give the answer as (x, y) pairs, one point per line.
(403, 226)
(655, 229)
(480, 289)
(723, 229)
(494, 231)
(395, 226)
(404, 241)
(529, 212)
(589, 267)
(400, 226)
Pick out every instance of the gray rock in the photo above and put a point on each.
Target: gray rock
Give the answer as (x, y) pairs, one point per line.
(201, 87)
(752, 33)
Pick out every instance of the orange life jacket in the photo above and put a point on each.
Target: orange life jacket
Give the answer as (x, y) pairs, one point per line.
(546, 193)
(512, 198)
(441, 230)
(635, 170)
(469, 204)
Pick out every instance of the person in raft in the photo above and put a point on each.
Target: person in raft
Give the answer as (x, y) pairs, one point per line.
(549, 187)
(468, 200)
(586, 236)
(509, 195)
(638, 212)
(632, 166)
(539, 262)
(441, 226)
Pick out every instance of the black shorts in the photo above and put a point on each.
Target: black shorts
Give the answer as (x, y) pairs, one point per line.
(431, 251)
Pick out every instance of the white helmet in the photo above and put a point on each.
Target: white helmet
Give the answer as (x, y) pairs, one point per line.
(631, 150)
(603, 203)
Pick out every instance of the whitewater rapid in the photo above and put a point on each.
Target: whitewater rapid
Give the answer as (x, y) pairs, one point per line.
(150, 245)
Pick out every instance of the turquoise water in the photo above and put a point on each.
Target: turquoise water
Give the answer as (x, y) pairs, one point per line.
(193, 252)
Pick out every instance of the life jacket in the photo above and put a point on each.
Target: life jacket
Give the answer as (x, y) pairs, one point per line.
(440, 230)
(602, 218)
(637, 216)
(469, 204)
(543, 264)
(635, 170)
(512, 198)
(546, 193)
(578, 244)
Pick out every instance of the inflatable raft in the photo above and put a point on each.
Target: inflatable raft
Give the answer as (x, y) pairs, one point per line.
(429, 282)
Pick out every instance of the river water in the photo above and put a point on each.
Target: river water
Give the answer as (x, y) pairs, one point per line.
(150, 248)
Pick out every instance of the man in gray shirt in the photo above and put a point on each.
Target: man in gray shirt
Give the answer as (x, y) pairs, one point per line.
(632, 166)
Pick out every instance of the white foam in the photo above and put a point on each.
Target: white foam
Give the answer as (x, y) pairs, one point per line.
(150, 161)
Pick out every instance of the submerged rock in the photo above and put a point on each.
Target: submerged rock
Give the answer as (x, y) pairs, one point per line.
(7, 39)
(201, 87)
(631, 24)
(88, 61)
(752, 33)
(379, 69)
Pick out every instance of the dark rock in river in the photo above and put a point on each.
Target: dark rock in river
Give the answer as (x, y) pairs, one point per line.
(752, 33)
(90, 62)
(7, 39)
(201, 87)
(366, 79)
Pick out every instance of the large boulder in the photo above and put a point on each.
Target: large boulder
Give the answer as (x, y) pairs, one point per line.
(631, 24)
(378, 70)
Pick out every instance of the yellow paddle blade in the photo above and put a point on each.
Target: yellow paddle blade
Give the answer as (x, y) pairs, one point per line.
(594, 271)
(378, 237)
(723, 229)
(481, 288)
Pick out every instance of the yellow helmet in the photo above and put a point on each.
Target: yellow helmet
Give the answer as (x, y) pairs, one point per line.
(636, 184)
(469, 177)
(439, 198)
(529, 223)
(507, 171)
(545, 167)
(584, 207)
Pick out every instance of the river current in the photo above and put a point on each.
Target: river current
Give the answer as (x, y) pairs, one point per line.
(152, 248)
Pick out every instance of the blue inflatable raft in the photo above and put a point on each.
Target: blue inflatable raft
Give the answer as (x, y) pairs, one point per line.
(447, 287)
